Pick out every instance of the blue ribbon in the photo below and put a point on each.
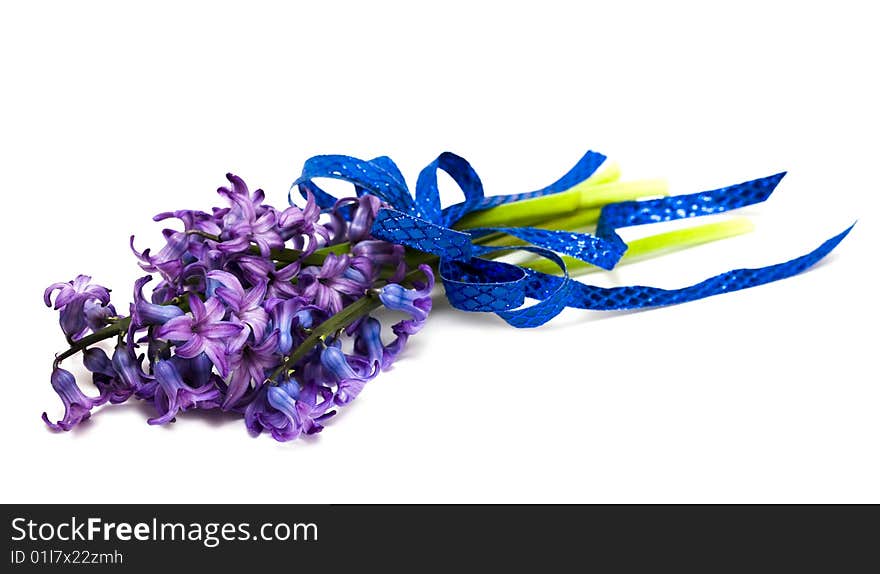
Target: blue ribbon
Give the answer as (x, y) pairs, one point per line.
(474, 283)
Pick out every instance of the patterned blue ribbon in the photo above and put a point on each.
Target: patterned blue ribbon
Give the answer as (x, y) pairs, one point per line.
(474, 283)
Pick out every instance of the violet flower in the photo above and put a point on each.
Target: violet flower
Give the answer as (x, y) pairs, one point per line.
(283, 399)
(368, 343)
(283, 314)
(196, 372)
(251, 365)
(203, 332)
(168, 262)
(362, 220)
(97, 315)
(247, 313)
(165, 291)
(297, 223)
(77, 406)
(281, 281)
(173, 395)
(243, 224)
(144, 313)
(349, 382)
(382, 254)
(260, 416)
(243, 305)
(415, 302)
(328, 285)
(192, 220)
(313, 412)
(104, 376)
(71, 300)
(301, 408)
(79, 288)
(128, 369)
(252, 268)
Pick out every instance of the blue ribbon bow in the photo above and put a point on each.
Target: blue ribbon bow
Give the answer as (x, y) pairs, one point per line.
(474, 283)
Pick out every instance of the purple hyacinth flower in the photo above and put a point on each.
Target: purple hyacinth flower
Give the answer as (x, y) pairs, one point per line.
(80, 287)
(192, 220)
(173, 395)
(282, 398)
(349, 382)
(368, 343)
(96, 315)
(254, 269)
(104, 376)
(326, 286)
(300, 223)
(362, 220)
(128, 369)
(312, 411)
(247, 221)
(260, 416)
(71, 300)
(415, 302)
(77, 406)
(245, 306)
(144, 313)
(280, 281)
(196, 372)
(362, 271)
(97, 362)
(168, 262)
(251, 365)
(283, 314)
(382, 254)
(303, 411)
(165, 291)
(311, 315)
(203, 332)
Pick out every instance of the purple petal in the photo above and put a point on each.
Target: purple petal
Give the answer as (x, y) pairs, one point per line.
(197, 307)
(176, 329)
(213, 310)
(217, 353)
(220, 330)
(195, 345)
(47, 294)
(232, 284)
(238, 386)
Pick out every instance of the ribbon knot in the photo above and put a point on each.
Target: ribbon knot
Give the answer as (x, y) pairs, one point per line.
(474, 283)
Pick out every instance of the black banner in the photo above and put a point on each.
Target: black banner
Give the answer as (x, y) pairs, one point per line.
(139, 537)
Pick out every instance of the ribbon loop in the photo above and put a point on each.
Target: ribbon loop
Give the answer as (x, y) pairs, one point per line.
(584, 168)
(492, 286)
(379, 177)
(428, 194)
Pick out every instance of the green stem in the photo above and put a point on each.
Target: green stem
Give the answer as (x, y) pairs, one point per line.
(108, 332)
(610, 172)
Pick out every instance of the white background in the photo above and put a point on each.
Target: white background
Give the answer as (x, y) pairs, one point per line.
(112, 113)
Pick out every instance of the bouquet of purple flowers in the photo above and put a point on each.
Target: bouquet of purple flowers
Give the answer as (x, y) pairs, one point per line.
(270, 313)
